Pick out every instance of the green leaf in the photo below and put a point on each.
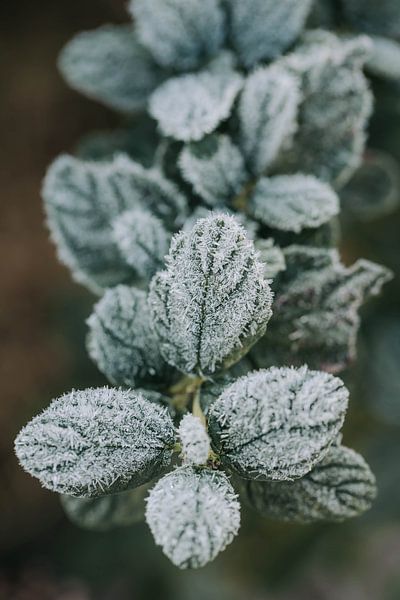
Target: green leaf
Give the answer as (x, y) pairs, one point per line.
(97, 441)
(193, 515)
(340, 487)
(212, 303)
(277, 424)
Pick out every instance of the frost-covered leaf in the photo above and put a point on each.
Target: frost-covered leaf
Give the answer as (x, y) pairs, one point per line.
(215, 168)
(180, 34)
(371, 16)
(277, 424)
(271, 256)
(340, 487)
(142, 240)
(193, 515)
(201, 212)
(267, 115)
(212, 302)
(82, 199)
(194, 440)
(109, 65)
(212, 388)
(264, 29)
(107, 512)
(95, 442)
(374, 189)
(121, 341)
(293, 202)
(336, 105)
(385, 58)
(189, 107)
(316, 309)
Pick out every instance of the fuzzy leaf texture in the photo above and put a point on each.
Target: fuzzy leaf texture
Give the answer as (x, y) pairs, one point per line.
(82, 199)
(277, 424)
(95, 442)
(215, 168)
(340, 487)
(267, 116)
(121, 341)
(180, 34)
(212, 303)
(109, 65)
(194, 440)
(263, 29)
(316, 309)
(108, 512)
(193, 515)
(336, 105)
(293, 202)
(382, 18)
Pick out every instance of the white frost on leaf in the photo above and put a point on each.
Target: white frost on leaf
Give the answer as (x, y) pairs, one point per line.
(271, 256)
(193, 515)
(194, 440)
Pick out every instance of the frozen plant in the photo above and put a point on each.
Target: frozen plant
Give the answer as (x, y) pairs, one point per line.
(212, 209)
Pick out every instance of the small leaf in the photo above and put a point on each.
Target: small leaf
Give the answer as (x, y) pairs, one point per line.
(95, 442)
(293, 202)
(277, 424)
(107, 512)
(264, 29)
(385, 58)
(190, 107)
(373, 17)
(180, 34)
(267, 116)
(193, 515)
(271, 256)
(215, 168)
(340, 487)
(109, 65)
(212, 303)
(194, 440)
(142, 240)
(316, 309)
(121, 341)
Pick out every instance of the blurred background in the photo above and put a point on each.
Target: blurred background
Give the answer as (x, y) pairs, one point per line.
(42, 331)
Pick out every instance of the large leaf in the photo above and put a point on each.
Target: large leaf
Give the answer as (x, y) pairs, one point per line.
(193, 515)
(97, 441)
(277, 424)
(212, 303)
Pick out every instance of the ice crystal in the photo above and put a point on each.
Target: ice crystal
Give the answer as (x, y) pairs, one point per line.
(194, 440)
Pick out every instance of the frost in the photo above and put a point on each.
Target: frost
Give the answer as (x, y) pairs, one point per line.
(189, 107)
(267, 116)
(121, 341)
(340, 487)
(180, 34)
(215, 168)
(97, 441)
(293, 202)
(385, 58)
(107, 512)
(271, 256)
(263, 29)
(193, 515)
(194, 440)
(212, 303)
(316, 309)
(382, 18)
(279, 423)
(142, 240)
(109, 65)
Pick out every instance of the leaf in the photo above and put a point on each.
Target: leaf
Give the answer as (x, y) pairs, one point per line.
(271, 256)
(108, 512)
(190, 107)
(215, 168)
(267, 116)
(95, 442)
(263, 29)
(385, 58)
(316, 309)
(212, 302)
(293, 202)
(374, 17)
(121, 340)
(82, 199)
(193, 515)
(340, 487)
(277, 424)
(142, 240)
(336, 105)
(194, 440)
(108, 64)
(211, 389)
(180, 34)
